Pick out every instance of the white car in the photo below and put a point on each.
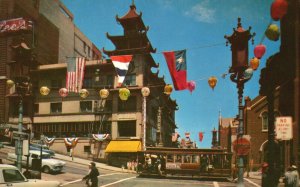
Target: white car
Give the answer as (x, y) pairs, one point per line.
(11, 176)
(48, 164)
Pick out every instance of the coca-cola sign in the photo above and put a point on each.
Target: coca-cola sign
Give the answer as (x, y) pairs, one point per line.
(15, 25)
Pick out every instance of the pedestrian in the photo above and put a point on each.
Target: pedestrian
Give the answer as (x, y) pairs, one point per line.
(291, 177)
(92, 176)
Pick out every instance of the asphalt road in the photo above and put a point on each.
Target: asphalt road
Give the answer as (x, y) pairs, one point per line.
(74, 172)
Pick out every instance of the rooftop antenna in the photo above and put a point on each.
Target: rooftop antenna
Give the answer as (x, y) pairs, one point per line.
(132, 2)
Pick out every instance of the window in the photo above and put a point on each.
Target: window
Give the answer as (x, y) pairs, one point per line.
(127, 128)
(87, 149)
(106, 128)
(12, 175)
(109, 80)
(265, 121)
(264, 117)
(36, 108)
(130, 80)
(55, 107)
(127, 106)
(88, 82)
(56, 83)
(86, 106)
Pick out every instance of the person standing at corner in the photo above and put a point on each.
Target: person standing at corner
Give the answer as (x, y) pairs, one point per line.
(291, 177)
(92, 175)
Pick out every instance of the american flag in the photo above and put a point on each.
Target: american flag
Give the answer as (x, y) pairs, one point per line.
(75, 74)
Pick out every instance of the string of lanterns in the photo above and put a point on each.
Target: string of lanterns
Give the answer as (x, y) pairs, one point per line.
(124, 93)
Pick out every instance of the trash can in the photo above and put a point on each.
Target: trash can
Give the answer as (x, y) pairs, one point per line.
(36, 164)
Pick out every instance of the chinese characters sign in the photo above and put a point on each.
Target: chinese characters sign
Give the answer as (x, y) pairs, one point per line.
(14, 25)
(284, 128)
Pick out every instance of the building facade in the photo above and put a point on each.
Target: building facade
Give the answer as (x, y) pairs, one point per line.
(72, 117)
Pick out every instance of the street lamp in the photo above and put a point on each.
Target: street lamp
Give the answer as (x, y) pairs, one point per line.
(145, 92)
(240, 75)
(23, 87)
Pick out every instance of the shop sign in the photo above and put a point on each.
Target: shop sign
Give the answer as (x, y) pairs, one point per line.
(14, 25)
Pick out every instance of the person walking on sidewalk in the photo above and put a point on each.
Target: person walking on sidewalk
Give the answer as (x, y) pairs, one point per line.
(92, 176)
(291, 177)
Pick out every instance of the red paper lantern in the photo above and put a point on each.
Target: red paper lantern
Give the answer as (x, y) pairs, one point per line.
(191, 85)
(63, 92)
(259, 51)
(278, 9)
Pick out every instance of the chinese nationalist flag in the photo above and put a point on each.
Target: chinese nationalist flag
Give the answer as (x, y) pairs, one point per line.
(176, 61)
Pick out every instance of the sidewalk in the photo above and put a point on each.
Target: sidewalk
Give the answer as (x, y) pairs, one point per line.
(80, 161)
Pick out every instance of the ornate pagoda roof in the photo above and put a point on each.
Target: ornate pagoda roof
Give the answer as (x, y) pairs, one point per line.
(137, 40)
(139, 50)
(132, 19)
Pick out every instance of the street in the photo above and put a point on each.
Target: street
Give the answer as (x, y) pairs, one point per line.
(74, 172)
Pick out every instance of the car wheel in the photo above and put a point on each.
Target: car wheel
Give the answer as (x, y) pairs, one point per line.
(46, 169)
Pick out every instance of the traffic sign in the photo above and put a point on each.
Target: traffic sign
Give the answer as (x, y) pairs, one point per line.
(284, 128)
(242, 145)
(20, 135)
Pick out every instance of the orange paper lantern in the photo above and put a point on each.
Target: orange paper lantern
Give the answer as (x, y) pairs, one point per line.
(168, 89)
(212, 81)
(254, 63)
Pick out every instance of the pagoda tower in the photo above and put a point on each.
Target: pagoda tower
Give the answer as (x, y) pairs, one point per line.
(134, 41)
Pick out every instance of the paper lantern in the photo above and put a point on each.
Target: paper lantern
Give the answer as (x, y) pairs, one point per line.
(212, 81)
(168, 89)
(63, 92)
(191, 85)
(145, 91)
(10, 83)
(278, 9)
(248, 73)
(259, 51)
(254, 63)
(124, 93)
(272, 32)
(103, 93)
(83, 93)
(44, 90)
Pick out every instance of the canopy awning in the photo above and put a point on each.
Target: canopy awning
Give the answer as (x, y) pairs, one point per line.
(123, 146)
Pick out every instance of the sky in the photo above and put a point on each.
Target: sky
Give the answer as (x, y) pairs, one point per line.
(199, 27)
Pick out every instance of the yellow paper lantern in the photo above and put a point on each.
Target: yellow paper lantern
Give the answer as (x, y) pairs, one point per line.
(124, 93)
(145, 91)
(272, 32)
(212, 81)
(44, 90)
(254, 63)
(10, 83)
(83, 93)
(168, 89)
(103, 93)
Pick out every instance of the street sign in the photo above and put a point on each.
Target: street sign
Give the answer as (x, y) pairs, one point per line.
(284, 128)
(241, 145)
(20, 135)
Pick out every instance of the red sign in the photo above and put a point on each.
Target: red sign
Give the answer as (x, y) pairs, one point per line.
(14, 25)
(241, 146)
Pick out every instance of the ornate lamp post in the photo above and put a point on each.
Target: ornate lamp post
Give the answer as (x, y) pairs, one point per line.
(23, 88)
(239, 48)
(145, 92)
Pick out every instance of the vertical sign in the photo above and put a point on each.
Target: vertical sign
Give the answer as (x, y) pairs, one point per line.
(284, 128)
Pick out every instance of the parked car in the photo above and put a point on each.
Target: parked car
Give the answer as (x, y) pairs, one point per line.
(48, 164)
(44, 148)
(11, 176)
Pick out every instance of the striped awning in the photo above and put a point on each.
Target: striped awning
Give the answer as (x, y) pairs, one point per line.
(123, 146)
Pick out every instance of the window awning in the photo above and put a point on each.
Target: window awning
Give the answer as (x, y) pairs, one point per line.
(123, 146)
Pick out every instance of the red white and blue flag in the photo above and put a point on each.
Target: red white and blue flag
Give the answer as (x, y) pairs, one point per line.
(176, 61)
(121, 64)
(75, 74)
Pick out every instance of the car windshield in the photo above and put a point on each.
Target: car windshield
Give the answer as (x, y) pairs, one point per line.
(13, 175)
(46, 156)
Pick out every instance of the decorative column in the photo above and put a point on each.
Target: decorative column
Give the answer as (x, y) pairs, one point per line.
(145, 92)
